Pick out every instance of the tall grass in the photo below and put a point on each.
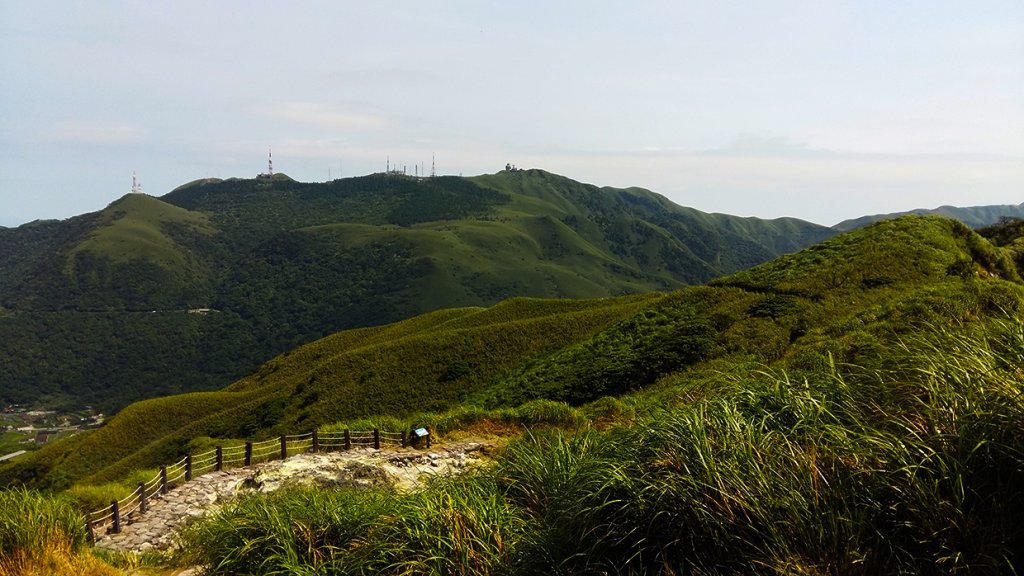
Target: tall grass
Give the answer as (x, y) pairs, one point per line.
(570, 487)
(290, 532)
(533, 414)
(43, 535)
(914, 467)
(457, 526)
(918, 468)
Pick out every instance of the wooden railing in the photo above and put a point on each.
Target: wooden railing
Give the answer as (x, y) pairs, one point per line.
(108, 520)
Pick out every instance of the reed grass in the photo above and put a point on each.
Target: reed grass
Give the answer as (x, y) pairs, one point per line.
(43, 535)
(457, 526)
(915, 466)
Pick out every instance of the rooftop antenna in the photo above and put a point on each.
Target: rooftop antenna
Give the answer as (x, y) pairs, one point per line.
(136, 185)
(270, 162)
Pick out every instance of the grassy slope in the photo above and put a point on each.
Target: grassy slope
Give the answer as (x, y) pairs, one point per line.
(721, 242)
(289, 262)
(135, 227)
(837, 300)
(428, 362)
(858, 411)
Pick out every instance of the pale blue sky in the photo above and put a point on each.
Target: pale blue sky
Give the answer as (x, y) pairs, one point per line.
(821, 110)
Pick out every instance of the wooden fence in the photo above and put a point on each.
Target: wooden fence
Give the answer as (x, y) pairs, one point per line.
(107, 520)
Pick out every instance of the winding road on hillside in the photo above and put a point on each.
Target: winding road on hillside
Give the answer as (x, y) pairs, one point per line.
(358, 468)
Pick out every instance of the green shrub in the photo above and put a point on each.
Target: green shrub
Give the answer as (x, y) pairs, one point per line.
(548, 413)
(88, 498)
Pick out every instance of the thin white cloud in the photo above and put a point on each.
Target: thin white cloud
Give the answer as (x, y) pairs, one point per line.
(762, 145)
(324, 115)
(93, 132)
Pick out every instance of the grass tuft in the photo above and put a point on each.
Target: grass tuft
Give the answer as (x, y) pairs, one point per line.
(43, 535)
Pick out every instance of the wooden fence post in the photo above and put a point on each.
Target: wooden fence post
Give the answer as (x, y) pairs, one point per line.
(163, 479)
(188, 467)
(90, 530)
(220, 458)
(143, 504)
(248, 453)
(316, 441)
(348, 440)
(403, 439)
(376, 439)
(284, 447)
(116, 528)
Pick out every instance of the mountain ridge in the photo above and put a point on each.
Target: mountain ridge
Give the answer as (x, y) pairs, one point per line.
(96, 307)
(973, 216)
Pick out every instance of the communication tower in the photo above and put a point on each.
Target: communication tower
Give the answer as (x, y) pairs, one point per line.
(136, 185)
(270, 162)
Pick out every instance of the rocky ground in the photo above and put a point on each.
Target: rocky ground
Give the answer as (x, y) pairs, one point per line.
(402, 469)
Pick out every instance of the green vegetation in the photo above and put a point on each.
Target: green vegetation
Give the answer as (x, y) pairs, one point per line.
(842, 301)
(194, 290)
(428, 363)
(915, 469)
(43, 535)
(30, 521)
(852, 408)
(137, 226)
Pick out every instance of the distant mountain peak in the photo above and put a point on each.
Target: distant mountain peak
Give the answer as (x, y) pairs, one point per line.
(973, 216)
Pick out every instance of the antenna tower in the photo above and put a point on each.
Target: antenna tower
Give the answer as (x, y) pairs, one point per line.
(136, 185)
(270, 162)
(433, 165)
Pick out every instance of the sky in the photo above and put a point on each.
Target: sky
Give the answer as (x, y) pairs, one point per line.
(822, 110)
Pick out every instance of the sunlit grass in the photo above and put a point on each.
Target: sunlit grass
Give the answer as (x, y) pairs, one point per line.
(913, 469)
(43, 535)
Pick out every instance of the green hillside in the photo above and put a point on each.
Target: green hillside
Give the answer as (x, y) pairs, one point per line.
(139, 226)
(842, 301)
(426, 363)
(191, 291)
(852, 408)
(137, 254)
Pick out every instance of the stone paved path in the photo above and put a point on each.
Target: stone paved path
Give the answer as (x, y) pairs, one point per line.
(360, 467)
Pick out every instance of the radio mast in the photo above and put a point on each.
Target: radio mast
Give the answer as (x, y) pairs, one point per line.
(136, 185)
